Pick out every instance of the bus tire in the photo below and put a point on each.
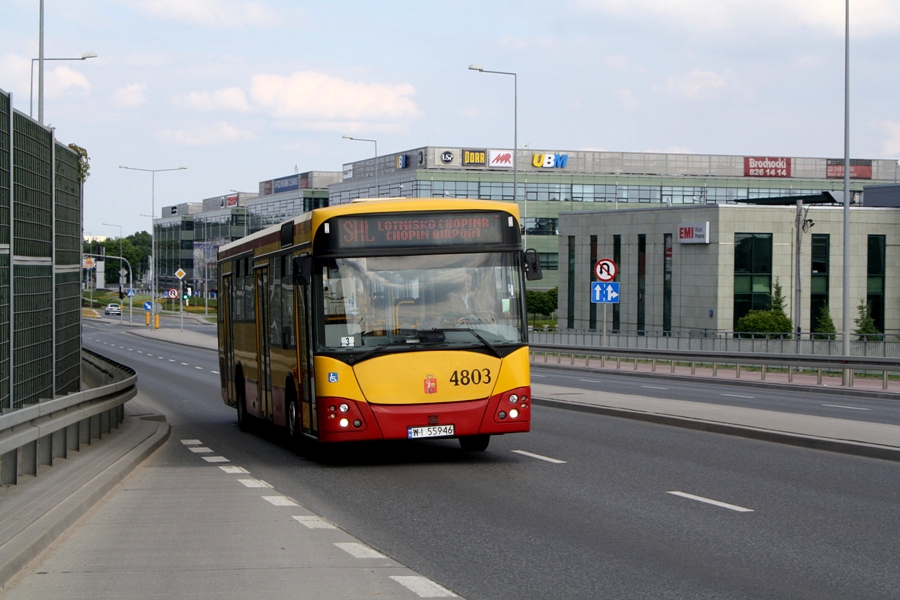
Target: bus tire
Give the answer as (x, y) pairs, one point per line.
(294, 431)
(474, 443)
(244, 423)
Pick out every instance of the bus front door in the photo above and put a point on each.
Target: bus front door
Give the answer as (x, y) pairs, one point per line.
(304, 360)
(263, 359)
(226, 299)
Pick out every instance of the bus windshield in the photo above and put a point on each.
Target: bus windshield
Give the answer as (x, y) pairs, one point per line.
(447, 299)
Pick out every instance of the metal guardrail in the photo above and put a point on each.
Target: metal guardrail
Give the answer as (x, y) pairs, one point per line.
(36, 436)
(711, 341)
(849, 365)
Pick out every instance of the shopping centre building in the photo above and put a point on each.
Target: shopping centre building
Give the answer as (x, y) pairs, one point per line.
(550, 183)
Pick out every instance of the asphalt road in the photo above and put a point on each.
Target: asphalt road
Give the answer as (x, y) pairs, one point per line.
(585, 506)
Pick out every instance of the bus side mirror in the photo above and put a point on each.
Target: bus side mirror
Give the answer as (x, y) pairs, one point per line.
(532, 265)
(302, 267)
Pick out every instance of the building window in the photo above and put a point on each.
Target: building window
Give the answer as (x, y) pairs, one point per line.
(570, 316)
(818, 296)
(642, 282)
(752, 273)
(875, 271)
(617, 258)
(592, 316)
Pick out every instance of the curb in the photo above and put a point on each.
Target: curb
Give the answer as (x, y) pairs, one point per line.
(26, 545)
(768, 435)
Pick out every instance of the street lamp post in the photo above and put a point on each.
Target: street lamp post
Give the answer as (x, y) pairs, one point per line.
(121, 256)
(84, 56)
(481, 69)
(356, 139)
(153, 270)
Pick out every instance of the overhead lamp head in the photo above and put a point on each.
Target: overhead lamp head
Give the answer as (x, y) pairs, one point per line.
(87, 55)
(476, 67)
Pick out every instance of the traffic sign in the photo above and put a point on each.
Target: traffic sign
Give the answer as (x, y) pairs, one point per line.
(180, 273)
(173, 293)
(148, 306)
(130, 293)
(604, 293)
(605, 269)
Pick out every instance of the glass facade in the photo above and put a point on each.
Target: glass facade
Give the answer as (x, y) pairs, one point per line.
(876, 271)
(752, 273)
(818, 296)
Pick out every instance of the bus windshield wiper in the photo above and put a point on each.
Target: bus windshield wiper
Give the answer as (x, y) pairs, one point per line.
(477, 336)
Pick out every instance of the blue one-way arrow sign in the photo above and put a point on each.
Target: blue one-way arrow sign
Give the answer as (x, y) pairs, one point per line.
(604, 292)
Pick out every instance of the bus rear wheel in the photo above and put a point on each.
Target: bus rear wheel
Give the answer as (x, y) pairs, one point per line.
(474, 443)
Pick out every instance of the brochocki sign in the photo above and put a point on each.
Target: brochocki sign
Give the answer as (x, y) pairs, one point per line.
(767, 166)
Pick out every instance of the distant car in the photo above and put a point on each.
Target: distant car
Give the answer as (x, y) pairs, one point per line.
(113, 309)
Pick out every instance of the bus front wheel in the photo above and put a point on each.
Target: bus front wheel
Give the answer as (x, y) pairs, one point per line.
(474, 443)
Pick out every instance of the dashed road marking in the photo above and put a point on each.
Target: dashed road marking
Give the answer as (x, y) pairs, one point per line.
(314, 522)
(191, 442)
(739, 396)
(215, 459)
(280, 501)
(733, 507)
(540, 457)
(200, 450)
(847, 407)
(255, 483)
(654, 387)
(423, 587)
(234, 470)
(357, 550)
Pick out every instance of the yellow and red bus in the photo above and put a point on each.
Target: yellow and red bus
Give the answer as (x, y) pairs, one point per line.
(380, 319)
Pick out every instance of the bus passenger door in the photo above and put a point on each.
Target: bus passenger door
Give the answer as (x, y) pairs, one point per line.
(263, 359)
(225, 304)
(305, 361)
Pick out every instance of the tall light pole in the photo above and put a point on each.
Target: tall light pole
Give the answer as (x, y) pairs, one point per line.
(84, 56)
(356, 139)
(845, 325)
(121, 256)
(481, 69)
(153, 269)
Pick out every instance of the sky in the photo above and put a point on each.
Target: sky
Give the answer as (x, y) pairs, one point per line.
(242, 91)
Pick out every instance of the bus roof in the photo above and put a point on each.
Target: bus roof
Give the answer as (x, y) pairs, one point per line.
(374, 205)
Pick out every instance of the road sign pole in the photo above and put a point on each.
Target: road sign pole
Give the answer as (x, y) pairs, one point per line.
(181, 301)
(604, 325)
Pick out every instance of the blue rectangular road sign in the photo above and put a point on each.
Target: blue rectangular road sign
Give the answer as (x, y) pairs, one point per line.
(604, 292)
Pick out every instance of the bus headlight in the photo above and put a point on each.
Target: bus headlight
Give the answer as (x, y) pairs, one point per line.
(343, 408)
(513, 398)
(513, 414)
(344, 422)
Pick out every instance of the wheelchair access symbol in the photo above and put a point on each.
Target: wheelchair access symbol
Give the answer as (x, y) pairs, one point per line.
(604, 293)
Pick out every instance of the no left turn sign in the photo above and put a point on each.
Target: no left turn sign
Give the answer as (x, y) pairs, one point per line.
(605, 269)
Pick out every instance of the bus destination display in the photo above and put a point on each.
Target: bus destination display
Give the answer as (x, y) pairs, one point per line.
(404, 230)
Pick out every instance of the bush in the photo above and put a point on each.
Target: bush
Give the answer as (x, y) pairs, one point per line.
(759, 323)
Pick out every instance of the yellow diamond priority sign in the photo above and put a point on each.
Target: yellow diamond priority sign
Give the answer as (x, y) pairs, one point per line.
(180, 273)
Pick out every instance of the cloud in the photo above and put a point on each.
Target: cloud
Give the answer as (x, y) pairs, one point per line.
(130, 95)
(205, 135)
(868, 18)
(63, 80)
(891, 144)
(230, 99)
(626, 98)
(698, 84)
(211, 13)
(310, 96)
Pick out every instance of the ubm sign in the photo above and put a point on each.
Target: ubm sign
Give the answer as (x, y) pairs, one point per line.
(693, 233)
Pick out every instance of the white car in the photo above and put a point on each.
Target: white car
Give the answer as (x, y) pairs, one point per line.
(113, 309)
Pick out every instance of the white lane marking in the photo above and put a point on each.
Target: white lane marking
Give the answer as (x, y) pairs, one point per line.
(591, 380)
(314, 522)
(216, 372)
(255, 483)
(539, 457)
(191, 442)
(280, 501)
(150, 355)
(200, 368)
(654, 387)
(200, 450)
(739, 396)
(130, 350)
(185, 364)
(161, 357)
(423, 587)
(171, 360)
(541, 376)
(847, 407)
(215, 459)
(357, 550)
(713, 502)
(140, 351)
(235, 470)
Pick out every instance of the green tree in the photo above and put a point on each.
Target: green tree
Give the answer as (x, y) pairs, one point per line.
(776, 300)
(865, 324)
(824, 329)
(84, 162)
(538, 303)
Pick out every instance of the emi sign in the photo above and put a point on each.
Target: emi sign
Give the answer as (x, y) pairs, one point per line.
(604, 293)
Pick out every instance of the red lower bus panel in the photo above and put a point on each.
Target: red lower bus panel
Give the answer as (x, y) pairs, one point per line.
(494, 415)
